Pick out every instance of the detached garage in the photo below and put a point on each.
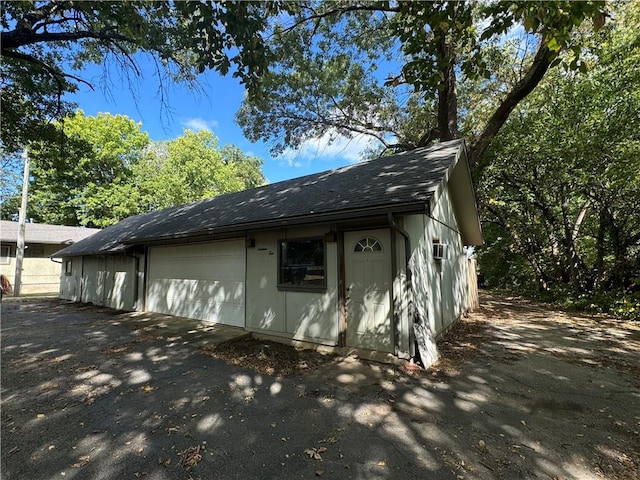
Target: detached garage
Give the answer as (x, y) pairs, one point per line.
(369, 256)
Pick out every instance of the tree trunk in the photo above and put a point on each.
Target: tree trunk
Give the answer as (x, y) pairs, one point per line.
(448, 105)
(600, 249)
(447, 94)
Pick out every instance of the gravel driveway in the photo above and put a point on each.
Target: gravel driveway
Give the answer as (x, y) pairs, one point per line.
(522, 392)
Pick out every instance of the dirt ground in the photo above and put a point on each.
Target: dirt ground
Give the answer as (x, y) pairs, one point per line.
(497, 332)
(520, 391)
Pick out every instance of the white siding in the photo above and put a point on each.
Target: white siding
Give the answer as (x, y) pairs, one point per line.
(308, 316)
(202, 281)
(40, 274)
(402, 299)
(106, 280)
(70, 284)
(93, 276)
(119, 282)
(440, 288)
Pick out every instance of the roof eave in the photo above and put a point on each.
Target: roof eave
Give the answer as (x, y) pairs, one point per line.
(121, 248)
(329, 217)
(464, 200)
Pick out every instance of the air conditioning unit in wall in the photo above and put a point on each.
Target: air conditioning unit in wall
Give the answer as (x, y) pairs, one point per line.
(439, 251)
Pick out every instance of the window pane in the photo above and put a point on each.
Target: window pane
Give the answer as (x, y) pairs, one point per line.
(5, 253)
(34, 251)
(368, 244)
(302, 262)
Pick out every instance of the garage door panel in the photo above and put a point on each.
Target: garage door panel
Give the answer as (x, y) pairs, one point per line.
(227, 268)
(179, 268)
(205, 282)
(92, 289)
(219, 293)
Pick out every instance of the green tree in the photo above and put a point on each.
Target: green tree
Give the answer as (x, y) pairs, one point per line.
(109, 170)
(327, 80)
(10, 207)
(10, 184)
(564, 215)
(45, 44)
(192, 167)
(75, 184)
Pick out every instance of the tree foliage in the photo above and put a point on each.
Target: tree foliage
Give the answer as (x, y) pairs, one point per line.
(326, 79)
(560, 187)
(109, 170)
(45, 44)
(193, 167)
(327, 82)
(96, 159)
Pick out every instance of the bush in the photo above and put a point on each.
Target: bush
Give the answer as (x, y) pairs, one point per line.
(616, 303)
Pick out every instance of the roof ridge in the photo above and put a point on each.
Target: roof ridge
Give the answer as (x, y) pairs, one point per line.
(401, 182)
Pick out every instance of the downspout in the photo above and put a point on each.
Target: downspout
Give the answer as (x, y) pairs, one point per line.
(407, 253)
(136, 280)
(396, 310)
(145, 275)
(81, 277)
(104, 282)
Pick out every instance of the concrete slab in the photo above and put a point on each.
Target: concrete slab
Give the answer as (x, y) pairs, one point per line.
(197, 332)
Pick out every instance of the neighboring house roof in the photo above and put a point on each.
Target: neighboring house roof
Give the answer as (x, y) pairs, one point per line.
(43, 233)
(400, 183)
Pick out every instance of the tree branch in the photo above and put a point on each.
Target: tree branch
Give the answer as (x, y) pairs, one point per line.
(22, 37)
(334, 123)
(539, 67)
(56, 74)
(50, 22)
(428, 137)
(340, 11)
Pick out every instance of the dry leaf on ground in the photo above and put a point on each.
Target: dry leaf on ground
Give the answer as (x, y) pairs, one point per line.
(315, 452)
(82, 461)
(190, 457)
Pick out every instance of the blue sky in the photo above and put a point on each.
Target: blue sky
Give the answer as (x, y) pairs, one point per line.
(213, 109)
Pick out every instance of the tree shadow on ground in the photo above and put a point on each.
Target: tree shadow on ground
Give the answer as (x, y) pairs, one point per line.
(87, 394)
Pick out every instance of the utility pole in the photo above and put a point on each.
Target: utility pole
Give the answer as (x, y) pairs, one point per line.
(22, 219)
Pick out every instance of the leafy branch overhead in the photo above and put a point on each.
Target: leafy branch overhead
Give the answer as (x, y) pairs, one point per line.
(392, 70)
(387, 70)
(46, 44)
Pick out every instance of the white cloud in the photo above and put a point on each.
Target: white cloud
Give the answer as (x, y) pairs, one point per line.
(198, 123)
(329, 147)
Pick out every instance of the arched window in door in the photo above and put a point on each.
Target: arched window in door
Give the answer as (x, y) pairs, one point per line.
(368, 244)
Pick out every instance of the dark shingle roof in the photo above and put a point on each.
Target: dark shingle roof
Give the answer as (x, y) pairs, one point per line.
(44, 233)
(403, 182)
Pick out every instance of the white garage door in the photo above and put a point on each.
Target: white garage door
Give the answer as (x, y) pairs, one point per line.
(93, 277)
(108, 281)
(201, 281)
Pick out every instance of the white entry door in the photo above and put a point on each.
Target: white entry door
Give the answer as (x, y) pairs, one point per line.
(368, 289)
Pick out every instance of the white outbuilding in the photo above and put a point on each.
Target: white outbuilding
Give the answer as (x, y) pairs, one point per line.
(369, 256)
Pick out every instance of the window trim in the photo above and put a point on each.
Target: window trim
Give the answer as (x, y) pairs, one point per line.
(5, 259)
(290, 287)
(68, 267)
